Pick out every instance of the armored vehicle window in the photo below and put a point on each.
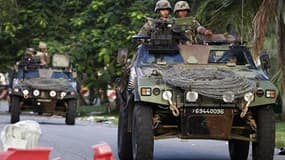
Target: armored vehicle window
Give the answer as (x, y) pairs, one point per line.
(146, 58)
(232, 56)
(236, 54)
(58, 75)
(27, 74)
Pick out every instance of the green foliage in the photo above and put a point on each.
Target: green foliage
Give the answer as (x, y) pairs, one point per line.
(91, 31)
(280, 136)
(226, 16)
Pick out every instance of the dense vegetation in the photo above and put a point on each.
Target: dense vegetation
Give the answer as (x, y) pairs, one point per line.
(91, 31)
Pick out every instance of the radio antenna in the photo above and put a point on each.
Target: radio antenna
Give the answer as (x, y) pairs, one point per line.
(242, 25)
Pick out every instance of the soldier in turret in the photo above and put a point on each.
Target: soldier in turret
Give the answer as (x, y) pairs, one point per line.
(182, 10)
(162, 9)
(30, 52)
(27, 57)
(43, 53)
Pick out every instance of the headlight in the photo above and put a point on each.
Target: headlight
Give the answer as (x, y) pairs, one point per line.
(62, 94)
(248, 96)
(259, 92)
(25, 92)
(229, 97)
(52, 93)
(191, 96)
(36, 92)
(166, 95)
(16, 89)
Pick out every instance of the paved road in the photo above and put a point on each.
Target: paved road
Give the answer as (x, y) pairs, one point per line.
(74, 142)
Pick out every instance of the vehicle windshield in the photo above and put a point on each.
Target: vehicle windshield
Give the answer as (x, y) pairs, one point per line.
(235, 55)
(28, 74)
(148, 58)
(58, 75)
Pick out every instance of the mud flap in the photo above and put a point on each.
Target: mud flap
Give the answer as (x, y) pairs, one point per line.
(208, 122)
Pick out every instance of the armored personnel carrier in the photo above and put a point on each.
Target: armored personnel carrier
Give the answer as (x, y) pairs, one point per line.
(214, 90)
(44, 89)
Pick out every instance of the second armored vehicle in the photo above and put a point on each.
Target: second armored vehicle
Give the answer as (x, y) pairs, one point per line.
(44, 90)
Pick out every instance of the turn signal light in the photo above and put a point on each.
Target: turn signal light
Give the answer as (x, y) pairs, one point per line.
(270, 94)
(146, 91)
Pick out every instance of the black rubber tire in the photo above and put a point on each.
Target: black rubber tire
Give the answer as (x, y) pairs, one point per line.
(238, 149)
(71, 112)
(124, 138)
(15, 109)
(142, 132)
(263, 148)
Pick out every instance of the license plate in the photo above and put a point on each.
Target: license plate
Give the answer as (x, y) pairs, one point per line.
(44, 100)
(207, 111)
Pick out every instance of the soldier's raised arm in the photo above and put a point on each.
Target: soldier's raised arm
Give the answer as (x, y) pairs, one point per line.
(182, 10)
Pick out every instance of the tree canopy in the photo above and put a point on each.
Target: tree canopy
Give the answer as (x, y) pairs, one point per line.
(91, 31)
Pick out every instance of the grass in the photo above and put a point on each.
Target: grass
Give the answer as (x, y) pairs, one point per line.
(280, 134)
(98, 113)
(88, 110)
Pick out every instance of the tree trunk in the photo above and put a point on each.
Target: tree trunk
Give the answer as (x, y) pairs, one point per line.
(281, 46)
(261, 20)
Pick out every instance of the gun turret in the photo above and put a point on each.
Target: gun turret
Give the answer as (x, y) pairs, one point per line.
(29, 62)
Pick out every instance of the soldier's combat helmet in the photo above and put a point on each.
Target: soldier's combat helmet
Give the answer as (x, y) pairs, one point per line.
(162, 4)
(42, 45)
(181, 6)
(30, 51)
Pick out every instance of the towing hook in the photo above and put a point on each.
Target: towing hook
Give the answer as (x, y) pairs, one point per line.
(244, 107)
(251, 122)
(26, 96)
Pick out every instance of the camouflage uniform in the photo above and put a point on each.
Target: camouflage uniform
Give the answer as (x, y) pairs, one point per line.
(194, 26)
(29, 54)
(26, 58)
(150, 24)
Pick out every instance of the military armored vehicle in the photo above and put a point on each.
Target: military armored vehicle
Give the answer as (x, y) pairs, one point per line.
(212, 90)
(44, 89)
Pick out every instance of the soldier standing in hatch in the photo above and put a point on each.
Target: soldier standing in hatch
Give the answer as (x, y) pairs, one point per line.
(182, 10)
(27, 57)
(30, 53)
(162, 9)
(43, 53)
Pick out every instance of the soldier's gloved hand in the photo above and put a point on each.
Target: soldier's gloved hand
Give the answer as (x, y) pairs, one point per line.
(208, 33)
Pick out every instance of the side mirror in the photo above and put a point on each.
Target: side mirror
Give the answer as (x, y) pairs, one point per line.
(74, 74)
(122, 56)
(265, 61)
